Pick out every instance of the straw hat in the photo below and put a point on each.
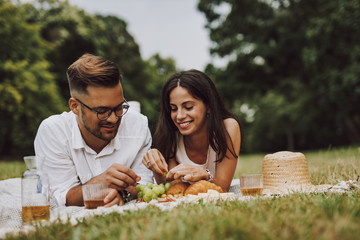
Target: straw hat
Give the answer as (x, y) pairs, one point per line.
(286, 172)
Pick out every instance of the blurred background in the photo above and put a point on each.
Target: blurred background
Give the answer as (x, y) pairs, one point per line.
(289, 69)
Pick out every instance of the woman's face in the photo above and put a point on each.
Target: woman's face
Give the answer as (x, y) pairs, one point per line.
(187, 112)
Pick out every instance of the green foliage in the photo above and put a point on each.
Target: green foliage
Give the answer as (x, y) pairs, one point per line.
(72, 32)
(296, 63)
(27, 89)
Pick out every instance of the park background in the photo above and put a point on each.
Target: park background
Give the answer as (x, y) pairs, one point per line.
(292, 74)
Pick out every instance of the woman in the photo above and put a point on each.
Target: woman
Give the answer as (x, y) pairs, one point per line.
(196, 137)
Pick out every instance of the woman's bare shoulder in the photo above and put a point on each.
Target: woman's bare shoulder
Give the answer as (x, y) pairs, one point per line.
(233, 128)
(231, 124)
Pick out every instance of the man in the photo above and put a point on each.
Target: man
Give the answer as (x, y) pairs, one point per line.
(98, 141)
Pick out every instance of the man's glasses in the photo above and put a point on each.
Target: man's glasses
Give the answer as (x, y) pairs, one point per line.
(104, 113)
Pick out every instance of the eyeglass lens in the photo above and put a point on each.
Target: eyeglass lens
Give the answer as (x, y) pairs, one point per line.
(120, 111)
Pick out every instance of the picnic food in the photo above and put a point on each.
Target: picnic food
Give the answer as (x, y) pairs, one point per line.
(178, 188)
(151, 191)
(183, 189)
(202, 186)
(168, 192)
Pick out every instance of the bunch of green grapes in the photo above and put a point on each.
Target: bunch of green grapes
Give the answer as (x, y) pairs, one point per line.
(152, 191)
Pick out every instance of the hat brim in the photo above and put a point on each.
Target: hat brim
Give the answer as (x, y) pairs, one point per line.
(288, 189)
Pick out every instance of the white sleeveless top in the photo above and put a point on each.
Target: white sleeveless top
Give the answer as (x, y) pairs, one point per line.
(181, 157)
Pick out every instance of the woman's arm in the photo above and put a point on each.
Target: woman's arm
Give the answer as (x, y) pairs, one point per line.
(225, 169)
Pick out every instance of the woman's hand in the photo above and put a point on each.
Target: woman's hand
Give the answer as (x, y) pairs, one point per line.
(113, 198)
(155, 161)
(188, 172)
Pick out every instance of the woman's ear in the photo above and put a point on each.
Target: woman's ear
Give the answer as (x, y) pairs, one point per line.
(207, 112)
(74, 105)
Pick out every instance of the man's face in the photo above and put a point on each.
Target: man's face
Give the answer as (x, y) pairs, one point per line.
(93, 129)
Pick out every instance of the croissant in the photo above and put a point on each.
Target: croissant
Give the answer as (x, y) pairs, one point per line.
(178, 188)
(202, 186)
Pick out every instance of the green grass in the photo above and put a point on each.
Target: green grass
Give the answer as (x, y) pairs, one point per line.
(13, 169)
(325, 166)
(296, 216)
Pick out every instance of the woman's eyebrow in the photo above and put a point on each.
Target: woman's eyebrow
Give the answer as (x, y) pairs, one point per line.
(183, 103)
(186, 102)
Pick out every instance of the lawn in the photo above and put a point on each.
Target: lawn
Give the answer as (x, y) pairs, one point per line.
(296, 216)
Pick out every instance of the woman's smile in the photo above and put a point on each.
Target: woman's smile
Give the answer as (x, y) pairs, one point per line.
(184, 124)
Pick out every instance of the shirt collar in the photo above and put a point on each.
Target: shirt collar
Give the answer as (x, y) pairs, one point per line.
(77, 140)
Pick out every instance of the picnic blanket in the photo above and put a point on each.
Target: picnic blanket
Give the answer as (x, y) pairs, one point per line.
(10, 205)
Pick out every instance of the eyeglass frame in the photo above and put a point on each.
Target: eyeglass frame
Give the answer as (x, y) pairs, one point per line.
(126, 106)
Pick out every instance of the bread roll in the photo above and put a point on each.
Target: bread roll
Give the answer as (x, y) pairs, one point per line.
(177, 188)
(202, 186)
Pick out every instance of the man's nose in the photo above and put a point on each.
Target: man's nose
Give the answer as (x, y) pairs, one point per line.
(113, 118)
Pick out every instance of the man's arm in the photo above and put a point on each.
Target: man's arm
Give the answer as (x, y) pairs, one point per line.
(74, 197)
(56, 162)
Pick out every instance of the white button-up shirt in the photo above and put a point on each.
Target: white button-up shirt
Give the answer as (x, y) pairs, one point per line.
(69, 162)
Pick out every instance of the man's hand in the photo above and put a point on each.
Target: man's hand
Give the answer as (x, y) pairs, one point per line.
(118, 177)
(113, 198)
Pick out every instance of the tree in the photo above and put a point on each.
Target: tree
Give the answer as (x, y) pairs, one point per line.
(159, 69)
(28, 92)
(300, 56)
(72, 31)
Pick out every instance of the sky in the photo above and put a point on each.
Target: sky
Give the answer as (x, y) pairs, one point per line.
(172, 28)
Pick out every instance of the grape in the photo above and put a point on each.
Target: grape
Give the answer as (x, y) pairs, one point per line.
(140, 194)
(151, 191)
(162, 189)
(147, 198)
(139, 187)
(154, 196)
(148, 192)
(157, 190)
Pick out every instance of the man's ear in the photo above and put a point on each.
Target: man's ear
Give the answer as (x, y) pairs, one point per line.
(74, 105)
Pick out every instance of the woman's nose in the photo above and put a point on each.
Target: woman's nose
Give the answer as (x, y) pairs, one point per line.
(180, 114)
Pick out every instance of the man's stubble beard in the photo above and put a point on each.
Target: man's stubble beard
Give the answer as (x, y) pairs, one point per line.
(96, 132)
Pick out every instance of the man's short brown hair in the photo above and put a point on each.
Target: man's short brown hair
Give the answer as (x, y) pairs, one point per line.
(91, 70)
